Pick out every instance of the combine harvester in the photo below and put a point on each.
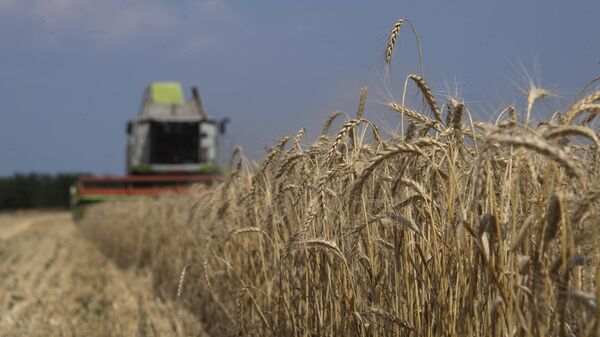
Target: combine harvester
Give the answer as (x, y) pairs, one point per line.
(171, 145)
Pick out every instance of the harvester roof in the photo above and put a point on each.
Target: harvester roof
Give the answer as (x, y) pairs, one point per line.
(164, 102)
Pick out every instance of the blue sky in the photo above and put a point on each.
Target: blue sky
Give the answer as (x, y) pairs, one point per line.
(73, 71)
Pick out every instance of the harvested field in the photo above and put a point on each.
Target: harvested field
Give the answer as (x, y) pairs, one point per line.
(55, 283)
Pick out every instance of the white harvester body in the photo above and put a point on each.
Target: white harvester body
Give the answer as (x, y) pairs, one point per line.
(171, 135)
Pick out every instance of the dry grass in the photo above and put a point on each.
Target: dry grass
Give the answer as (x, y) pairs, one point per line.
(485, 230)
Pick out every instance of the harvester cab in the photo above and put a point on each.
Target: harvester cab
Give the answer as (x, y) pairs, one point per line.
(171, 136)
(171, 144)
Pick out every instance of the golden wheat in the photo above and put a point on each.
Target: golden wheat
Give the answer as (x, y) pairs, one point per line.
(452, 230)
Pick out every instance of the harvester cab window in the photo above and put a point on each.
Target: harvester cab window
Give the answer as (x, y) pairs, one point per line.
(174, 143)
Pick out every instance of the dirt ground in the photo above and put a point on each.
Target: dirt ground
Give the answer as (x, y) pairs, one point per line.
(55, 283)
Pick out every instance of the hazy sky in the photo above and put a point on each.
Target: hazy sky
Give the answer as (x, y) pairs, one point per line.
(73, 71)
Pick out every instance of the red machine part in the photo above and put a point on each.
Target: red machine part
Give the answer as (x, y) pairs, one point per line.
(94, 187)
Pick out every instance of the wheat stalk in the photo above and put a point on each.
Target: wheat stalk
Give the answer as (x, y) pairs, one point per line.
(583, 105)
(541, 147)
(392, 41)
(361, 103)
(428, 96)
(414, 115)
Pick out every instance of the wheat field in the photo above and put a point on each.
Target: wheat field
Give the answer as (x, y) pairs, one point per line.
(447, 227)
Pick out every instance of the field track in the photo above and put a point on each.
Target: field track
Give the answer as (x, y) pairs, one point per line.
(55, 283)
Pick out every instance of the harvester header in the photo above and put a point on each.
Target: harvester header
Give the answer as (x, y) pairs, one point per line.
(171, 144)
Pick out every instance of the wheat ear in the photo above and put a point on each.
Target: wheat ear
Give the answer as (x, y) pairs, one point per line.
(392, 41)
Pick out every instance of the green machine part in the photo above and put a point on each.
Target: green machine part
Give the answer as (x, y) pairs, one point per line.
(166, 93)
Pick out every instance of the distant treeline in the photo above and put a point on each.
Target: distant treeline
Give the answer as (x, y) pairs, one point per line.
(35, 190)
